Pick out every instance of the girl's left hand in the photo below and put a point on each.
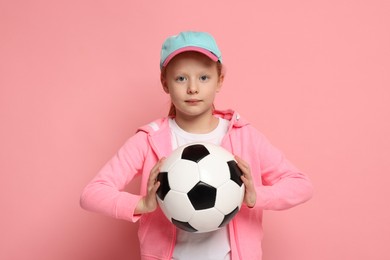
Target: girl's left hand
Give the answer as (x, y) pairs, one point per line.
(250, 191)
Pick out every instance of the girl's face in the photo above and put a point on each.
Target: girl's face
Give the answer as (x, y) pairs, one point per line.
(192, 81)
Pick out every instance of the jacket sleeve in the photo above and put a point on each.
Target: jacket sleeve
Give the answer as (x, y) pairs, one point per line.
(283, 185)
(105, 193)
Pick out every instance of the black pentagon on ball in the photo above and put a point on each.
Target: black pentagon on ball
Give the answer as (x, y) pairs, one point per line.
(164, 188)
(202, 196)
(228, 217)
(195, 152)
(235, 172)
(183, 225)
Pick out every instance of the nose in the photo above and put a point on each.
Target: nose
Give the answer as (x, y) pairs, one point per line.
(192, 88)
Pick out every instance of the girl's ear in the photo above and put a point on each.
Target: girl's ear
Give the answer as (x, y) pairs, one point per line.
(222, 72)
(164, 83)
(220, 82)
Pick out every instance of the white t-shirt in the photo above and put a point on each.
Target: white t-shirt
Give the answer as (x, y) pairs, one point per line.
(206, 246)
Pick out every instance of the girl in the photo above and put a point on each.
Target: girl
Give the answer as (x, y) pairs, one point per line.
(192, 74)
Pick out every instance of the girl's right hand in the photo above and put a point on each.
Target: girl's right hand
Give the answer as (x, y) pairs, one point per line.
(148, 203)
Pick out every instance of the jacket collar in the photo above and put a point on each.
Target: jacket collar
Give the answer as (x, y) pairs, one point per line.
(159, 134)
(235, 119)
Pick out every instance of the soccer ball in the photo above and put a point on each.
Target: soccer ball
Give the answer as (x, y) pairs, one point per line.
(200, 187)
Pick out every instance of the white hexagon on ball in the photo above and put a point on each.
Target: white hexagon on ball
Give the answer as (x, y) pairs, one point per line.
(227, 199)
(183, 175)
(206, 220)
(213, 170)
(178, 206)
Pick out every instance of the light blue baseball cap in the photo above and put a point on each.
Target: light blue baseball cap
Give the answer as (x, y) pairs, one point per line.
(189, 41)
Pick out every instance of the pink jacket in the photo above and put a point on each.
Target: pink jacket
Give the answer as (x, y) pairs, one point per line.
(278, 183)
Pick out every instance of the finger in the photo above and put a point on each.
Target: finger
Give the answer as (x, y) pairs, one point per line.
(156, 167)
(241, 162)
(155, 171)
(238, 159)
(245, 168)
(245, 180)
(155, 187)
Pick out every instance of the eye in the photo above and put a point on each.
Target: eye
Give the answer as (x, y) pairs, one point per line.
(204, 78)
(180, 79)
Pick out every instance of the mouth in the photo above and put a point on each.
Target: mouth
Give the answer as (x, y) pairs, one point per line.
(192, 101)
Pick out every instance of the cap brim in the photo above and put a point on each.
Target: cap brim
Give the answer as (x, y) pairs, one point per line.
(190, 48)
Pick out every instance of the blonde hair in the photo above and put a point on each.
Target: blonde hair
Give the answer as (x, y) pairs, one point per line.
(172, 108)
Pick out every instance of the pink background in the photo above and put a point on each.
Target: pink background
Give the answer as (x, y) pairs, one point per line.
(78, 77)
